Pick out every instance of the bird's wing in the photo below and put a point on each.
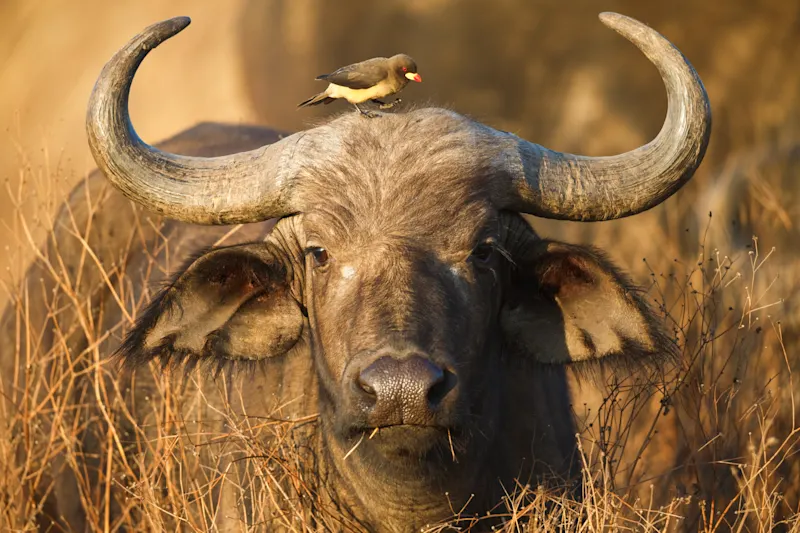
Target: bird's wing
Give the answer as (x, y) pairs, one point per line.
(359, 75)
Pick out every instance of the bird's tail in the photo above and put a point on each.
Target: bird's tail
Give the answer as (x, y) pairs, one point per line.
(321, 98)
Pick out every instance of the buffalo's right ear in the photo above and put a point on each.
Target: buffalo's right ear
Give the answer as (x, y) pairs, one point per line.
(232, 303)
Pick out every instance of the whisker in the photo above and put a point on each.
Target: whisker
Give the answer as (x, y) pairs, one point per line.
(452, 450)
(353, 448)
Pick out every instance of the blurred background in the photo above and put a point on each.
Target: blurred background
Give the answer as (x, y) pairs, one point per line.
(546, 70)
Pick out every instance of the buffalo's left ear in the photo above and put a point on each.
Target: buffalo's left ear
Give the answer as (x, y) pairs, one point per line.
(568, 303)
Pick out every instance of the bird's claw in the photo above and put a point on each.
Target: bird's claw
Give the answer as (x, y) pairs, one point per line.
(367, 114)
(390, 104)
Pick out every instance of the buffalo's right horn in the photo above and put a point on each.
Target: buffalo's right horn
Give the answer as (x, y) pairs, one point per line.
(239, 188)
(563, 186)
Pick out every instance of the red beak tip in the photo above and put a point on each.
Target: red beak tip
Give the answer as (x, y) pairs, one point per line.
(418, 78)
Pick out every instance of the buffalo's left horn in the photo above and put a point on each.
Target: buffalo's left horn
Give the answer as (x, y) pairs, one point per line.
(244, 187)
(571, 187)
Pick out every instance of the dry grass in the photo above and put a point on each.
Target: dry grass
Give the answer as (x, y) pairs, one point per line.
(709, 446)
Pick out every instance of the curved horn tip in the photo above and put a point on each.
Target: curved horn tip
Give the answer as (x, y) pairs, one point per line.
(620, 23)
(161, 31)
(177, 23)
(174, 25)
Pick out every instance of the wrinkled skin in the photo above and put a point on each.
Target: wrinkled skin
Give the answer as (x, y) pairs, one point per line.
(423, 271)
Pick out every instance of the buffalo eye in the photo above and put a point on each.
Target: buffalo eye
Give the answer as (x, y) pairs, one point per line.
(320, 256)
(483, 253)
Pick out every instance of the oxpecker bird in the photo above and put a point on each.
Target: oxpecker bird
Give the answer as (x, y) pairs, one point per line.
(369, 80)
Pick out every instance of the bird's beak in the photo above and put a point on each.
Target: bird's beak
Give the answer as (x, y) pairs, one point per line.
(413, 76)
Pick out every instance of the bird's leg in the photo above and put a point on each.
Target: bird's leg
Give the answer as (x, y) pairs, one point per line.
(383, 105)
(368, 114)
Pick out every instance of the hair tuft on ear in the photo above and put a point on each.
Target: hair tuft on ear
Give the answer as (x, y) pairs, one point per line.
(227, 306)
(571, 305)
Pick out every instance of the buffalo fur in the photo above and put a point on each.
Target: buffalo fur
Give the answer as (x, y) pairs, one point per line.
(420, 262)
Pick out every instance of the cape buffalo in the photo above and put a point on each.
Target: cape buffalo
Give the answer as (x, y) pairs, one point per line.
(400, 301)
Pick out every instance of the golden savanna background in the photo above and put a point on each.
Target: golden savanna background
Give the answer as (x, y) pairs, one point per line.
(722, 256)
(548, 71)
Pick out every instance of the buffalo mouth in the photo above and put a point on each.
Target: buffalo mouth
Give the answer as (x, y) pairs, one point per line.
(416, 441)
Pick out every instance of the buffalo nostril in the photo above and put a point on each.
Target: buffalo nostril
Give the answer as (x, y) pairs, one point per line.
(434, 381)
(440, 386)
(366, 387)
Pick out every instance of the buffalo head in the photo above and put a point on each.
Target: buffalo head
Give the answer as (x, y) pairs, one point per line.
(401, 263)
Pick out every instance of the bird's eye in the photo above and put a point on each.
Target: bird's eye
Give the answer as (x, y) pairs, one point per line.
(319, 255)
(405, 69)
(483, 253)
